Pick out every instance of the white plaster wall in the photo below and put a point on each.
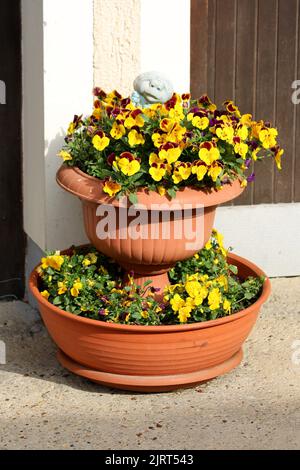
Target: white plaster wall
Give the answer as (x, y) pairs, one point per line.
(57, 83)
(116, 44)
(267, 234)
(165, 40)
(68, 84)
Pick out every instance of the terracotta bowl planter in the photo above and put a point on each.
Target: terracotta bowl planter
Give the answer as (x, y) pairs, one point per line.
(151, 358)
(167, 236)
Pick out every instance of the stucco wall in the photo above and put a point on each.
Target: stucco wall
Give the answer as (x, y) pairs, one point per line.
(165, 40)
(116, 44)
(57, 83)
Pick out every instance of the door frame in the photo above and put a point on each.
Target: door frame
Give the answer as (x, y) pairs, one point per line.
(12, 238)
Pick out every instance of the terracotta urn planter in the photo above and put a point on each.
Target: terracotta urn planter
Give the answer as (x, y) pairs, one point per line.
(151, 358)
(165, 231)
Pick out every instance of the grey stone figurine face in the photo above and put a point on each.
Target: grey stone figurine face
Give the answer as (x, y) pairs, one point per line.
(152, 87)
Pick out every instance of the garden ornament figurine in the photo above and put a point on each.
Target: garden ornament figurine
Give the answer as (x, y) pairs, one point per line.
(151, 87)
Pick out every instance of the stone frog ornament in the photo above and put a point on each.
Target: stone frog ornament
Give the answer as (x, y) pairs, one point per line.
(151, 87)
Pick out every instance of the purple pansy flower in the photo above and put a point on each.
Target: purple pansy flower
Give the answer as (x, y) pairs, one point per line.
(251, 178)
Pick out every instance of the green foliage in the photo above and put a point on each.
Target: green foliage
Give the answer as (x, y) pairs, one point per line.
(87, 283)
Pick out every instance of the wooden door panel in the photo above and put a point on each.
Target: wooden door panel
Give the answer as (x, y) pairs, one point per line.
(12, 245)
(249, 51)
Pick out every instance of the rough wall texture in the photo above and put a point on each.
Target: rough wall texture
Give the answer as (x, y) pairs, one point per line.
(116, 44)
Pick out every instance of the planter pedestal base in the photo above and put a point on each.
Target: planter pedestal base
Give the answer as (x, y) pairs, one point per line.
(149, 383)
(158, 275)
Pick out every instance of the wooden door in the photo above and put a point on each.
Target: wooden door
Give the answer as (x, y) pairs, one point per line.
(12, 244)
(248, 50)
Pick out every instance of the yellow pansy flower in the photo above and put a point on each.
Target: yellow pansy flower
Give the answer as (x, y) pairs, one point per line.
(53, 261)
(256, 127)
(71, 128)
(278, 156)
(157, 171)
(135, 138)
(97, 113)
(241, 149)
(144, 314)
(268, 137)
(77, 286)
(111, 188)
(208, 245)
(242, 132)
(214, 299)
(246, 119)
(205, 102)
(103, 270)
(190, 302)
(184, 313)
(222, 280)
(225, 133)
(155, 109)
(100, 141)
(127, 164)
(192, 288)
(65, 155)
(135, 118)
(177, 302)
(166, 124)
(220, 241)
(198, 292)
(86, 262)
(185, 170)
(170, 152)
(176, 177)
(159, 139)
(117, 131)
(92, 257)
(227, 306)
(74, 124)
(214, 171)
(45, 294)
(232, 108)
(177, 134)
(224, 119)
(208, 153)
(219, 237)
(129, 168)
(176, 113)
(161, 190)
(254, 153)
(200, 122)
(62, 288)
(199, 170)
(182, 171)
(154, 158)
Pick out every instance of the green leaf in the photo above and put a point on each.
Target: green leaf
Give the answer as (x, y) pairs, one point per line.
(133, 198)
(57, 301)
(248, 295)
(233, 268)
(171, 192)
(135, 177)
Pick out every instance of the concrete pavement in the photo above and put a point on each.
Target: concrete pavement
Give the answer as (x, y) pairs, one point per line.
(256, 406)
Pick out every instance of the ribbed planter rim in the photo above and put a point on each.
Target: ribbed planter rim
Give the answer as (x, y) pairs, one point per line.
(72, 180)
(33, 282)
